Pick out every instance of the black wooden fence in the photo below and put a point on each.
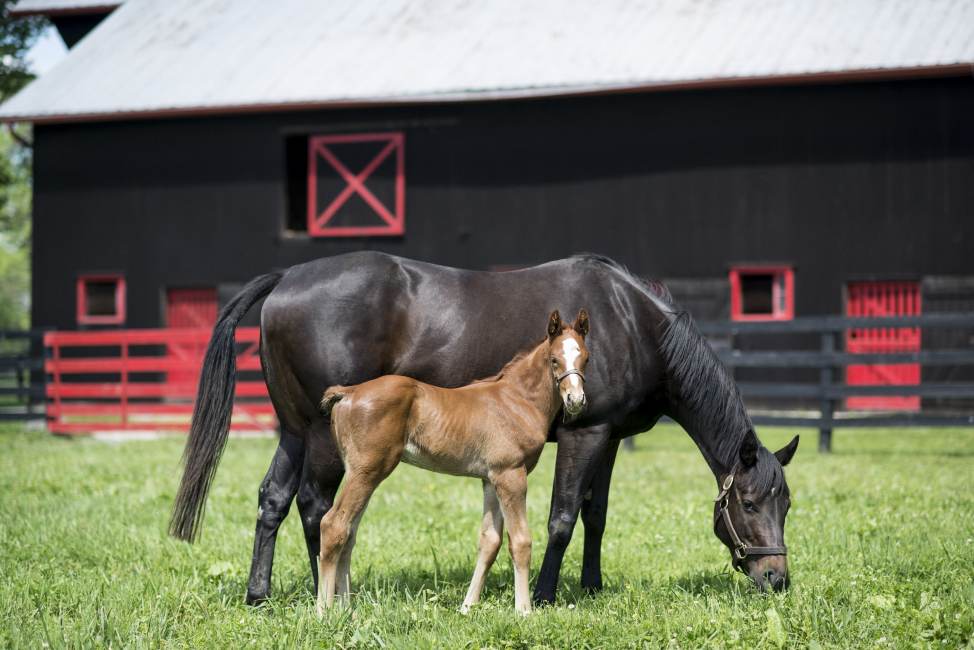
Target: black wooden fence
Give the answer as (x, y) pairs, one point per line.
(21, 375)
(831, 388)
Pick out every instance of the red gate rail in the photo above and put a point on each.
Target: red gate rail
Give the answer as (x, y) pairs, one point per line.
(125, 380)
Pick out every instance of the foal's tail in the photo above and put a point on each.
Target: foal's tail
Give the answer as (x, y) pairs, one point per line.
(211, 414)
(332, 396)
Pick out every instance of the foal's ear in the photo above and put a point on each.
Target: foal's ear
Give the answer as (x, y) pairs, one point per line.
(581, 323)
(785, 453)
(749, 451)
(554, 324)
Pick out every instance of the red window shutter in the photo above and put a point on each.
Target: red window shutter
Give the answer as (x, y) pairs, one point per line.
(344, 172)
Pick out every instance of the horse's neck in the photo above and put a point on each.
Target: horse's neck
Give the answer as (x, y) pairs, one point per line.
(531, 379)
(703, 397)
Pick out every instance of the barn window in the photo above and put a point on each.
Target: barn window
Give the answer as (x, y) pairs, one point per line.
(354, 184)
(101, 300)
(762, 293)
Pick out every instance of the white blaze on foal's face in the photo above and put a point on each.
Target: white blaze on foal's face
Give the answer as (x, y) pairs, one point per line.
(570, 387)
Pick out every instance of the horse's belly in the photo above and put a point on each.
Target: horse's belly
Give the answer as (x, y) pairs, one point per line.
(416, 456)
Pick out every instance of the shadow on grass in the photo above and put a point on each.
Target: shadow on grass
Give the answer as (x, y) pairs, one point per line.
(699, 584)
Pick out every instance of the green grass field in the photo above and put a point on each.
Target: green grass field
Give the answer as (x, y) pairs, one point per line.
(881, 535)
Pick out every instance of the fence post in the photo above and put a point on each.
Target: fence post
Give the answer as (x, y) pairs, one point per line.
(825, 382)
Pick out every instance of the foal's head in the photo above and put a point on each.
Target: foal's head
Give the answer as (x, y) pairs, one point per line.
(755, 499)
(567, 356)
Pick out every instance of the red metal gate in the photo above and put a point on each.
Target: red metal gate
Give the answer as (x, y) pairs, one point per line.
(876, 299)
(127, 380)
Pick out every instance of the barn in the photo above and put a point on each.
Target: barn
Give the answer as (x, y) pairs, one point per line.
(768, 159)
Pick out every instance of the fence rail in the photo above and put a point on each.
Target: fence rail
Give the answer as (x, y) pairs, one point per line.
(21, 382)
(830, 388)
(124, 380)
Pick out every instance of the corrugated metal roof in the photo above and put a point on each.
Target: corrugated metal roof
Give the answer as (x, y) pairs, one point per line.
(46, 7)
(180, 56)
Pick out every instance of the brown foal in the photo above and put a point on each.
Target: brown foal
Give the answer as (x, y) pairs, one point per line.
(493, 429)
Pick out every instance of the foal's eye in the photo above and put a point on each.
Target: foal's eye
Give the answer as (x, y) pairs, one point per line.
(748, 505)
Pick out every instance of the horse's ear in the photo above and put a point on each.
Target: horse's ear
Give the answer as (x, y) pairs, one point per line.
(581, 323)
(749, 451)
(554, 324)
(785, 453)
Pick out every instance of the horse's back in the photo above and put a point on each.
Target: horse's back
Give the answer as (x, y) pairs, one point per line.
(349, 318)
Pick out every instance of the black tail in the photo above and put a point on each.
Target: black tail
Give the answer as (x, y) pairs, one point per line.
(214, 405)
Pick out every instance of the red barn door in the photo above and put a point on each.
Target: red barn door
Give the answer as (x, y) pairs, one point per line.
(194, 308)
(877, 299)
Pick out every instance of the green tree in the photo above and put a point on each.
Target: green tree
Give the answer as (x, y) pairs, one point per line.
(16, 38)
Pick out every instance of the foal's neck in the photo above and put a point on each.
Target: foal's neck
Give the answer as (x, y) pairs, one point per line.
(532, 378)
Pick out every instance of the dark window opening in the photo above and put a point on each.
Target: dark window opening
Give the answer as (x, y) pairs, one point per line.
(296, 185)
(101, 300)
(762, 293)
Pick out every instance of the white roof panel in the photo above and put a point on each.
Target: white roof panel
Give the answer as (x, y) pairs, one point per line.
(33, 7)
(183, 56)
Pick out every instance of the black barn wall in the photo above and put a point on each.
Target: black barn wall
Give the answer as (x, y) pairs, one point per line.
(843, 182)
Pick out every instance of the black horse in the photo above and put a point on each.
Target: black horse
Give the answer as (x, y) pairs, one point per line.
(350, 318)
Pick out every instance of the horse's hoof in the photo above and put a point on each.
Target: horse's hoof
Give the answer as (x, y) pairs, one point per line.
(592, 589)
(543, 600)
(254, 599)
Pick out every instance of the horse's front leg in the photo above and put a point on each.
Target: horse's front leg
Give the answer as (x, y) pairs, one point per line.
(273, 501)
(595, 505)
(580, 451)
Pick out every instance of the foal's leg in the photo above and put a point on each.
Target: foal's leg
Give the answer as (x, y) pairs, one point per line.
(491, 528)
(337, 527)
(512, 490)
(343, 578)
(595, 505)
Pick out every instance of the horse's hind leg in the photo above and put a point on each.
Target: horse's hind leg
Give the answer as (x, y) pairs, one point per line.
(337, 527)
(595, 505)
(274, 499)
(512, 490)
(322, 474)
(491, 528)
(343, 585)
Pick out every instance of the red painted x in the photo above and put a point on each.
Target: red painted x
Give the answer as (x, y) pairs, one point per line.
(356, 185)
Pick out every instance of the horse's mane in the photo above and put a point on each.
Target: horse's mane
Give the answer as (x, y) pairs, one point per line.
(700, 381)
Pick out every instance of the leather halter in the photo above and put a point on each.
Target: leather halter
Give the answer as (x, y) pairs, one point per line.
(573, 371)
(741, 549)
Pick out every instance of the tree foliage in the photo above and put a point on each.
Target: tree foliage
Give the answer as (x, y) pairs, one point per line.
(17, 35)
(16, 38)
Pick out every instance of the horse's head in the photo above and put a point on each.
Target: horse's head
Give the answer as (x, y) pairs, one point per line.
(750, 511)
(567, 356)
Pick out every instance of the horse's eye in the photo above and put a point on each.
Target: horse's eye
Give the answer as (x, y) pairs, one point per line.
(748, 505)
(554, 362)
